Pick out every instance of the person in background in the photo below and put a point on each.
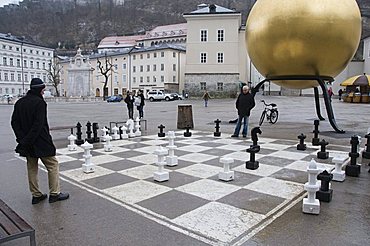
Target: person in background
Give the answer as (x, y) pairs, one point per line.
(140, 104)
(206, 97)
(340, 92)
(31, 128)
(244, 104)
(330, 92)
(129, 100)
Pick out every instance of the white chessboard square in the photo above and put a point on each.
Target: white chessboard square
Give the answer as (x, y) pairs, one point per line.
(219, 221)
(136, 191)
(228, 141)
(156, 142)
(208, 189)
(147, 149)
(196, 157)
(233, 147)
(115, 149)
(144, 158)
(275, 146)
(263, 170)
(200, 170)
(298, 165)
(288, 155)
(65, 151)
(65, 158)
(240, 155)
(190, 141)
(78, 175)
(101, 159)
(121, 142)
(193, 148)
(276, 187)
(140, 172)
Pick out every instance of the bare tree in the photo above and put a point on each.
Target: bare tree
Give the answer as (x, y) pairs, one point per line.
(105, 69)
(53, 74)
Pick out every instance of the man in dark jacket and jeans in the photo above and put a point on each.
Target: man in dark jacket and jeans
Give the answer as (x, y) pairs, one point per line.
(244, 104)
(30, 125)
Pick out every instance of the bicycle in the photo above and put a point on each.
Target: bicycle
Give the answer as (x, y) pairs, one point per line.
(270, 112)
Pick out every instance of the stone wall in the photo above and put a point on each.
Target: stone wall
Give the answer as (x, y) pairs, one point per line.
(230, 85)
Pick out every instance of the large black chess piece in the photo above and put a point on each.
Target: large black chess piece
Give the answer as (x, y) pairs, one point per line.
(254, 148)
(89, 139)
(217, 133)
(95, 127)
(187, 132)
(323, 154)
(325, 194)
(79, 139)
(353, 169)
(161, 134)
(315, 139)
(301, 145)
(366, 152)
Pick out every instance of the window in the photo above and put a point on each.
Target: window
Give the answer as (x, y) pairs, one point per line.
(154, 67)
(124, 79)
(148, 55)
(220, 57)
(24, 63)
(141, 79)
(155, 54)
(11, 63)
(203, 35)
(220, 35)
(141, 68)
(162, 67)
(220, 86)
(147, 79)
(174, 54)
(141, 56)
(134, 79)
(173, 78)
(147, 68)
(19, 91)
(203, 86)
(134, 57)
(124, 66)
(37, 65)
(25, 77)
(13, 90)
(31, 51)
(31, 64)
(154, 79)
(174, 67)
(12, 77)
(17, 49)
(10, 47)
(162, 78)
(19, 77)
(37, 52)
(6, 78)
(43, 65)
(203, 57)
(134, 69)
(18, 63)
(162, 54)
(5, 63)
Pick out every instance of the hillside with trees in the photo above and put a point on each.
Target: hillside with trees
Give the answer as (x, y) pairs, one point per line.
(68, 24)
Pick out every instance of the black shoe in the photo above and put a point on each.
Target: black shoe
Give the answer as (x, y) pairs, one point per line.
(234, 136)
(244, 136)
(37, 199)
(60, 197)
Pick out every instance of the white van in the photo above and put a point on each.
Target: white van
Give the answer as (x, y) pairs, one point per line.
(159, 95)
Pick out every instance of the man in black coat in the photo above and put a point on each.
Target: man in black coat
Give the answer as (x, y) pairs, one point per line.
(129, 100)
(31, 128)
(244, 104)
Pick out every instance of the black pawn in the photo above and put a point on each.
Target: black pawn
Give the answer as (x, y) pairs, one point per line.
(187, 132)
(161, 134)
(315, 139)
(353, 169)
(79, 139)
(95, 127)
(217, 133)
(366, 152)
(325, 194)
(252, 163)
(301, 145)
(89, 139)
(323, 154)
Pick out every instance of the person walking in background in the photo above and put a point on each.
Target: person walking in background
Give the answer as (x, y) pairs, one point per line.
(244, 104)
(140, 103)
(129, 100)
(206, 97)
(340, 93)
(31, 128)
(330, 92)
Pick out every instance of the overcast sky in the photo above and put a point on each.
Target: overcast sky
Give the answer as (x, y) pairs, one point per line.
(3, 2)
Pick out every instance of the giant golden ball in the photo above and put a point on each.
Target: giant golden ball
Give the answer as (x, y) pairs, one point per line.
(302, 37)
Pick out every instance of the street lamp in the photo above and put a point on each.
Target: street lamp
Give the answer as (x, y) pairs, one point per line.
(22, 66)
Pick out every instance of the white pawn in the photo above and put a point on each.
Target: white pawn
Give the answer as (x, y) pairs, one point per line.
(72, 146)
(124, 132)
(87, 167)
(226, 174)
(311, 205)
(130, 125)
(137, 127)
(108, 145)
(161, 175)
(338, 174)
(104, 132)
(171, 159)
(115, 130)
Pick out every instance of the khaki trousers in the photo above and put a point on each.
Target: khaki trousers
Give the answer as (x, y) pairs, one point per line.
(52, 165)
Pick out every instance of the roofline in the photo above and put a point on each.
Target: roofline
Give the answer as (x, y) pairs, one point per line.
(16, 40)
(154, 38)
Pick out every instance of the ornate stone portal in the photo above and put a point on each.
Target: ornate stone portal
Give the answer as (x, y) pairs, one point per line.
(79, 77)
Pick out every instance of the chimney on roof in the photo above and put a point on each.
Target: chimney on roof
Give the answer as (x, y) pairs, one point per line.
(212, 8)
(202, 5)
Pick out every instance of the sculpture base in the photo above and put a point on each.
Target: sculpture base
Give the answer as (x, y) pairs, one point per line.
(353, 170)
(311, 208)
(226, 176)
(253, 165)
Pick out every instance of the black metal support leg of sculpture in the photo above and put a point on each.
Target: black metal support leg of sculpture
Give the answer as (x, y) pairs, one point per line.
(329, 108)
(317, 103)
(257, 87)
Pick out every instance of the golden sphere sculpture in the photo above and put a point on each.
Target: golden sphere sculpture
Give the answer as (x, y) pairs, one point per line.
(302, 38)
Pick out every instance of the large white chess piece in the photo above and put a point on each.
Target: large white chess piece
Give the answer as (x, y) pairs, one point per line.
(130, 125)
(338, 174)
(311, 205)
(226, 174)
(115, 130)
(124, 132)
(87, 167)
(107, 145)
(137, 127)
(72, 146)
(161, 175)
(171, 159)
(104, 133)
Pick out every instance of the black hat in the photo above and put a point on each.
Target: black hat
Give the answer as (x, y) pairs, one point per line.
(37, 83)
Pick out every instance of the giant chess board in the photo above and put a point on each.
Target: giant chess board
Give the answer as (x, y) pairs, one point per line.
(194, 201)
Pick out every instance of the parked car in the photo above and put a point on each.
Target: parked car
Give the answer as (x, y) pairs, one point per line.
(159, 95)
(176, 96)
(116, 98)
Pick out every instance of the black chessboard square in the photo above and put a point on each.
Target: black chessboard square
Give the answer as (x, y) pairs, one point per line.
(121, 165)
(291, 175)
(109, 180)
(70, 165)
(216, 152)
(211, 144)
(294, 149)
(216, 162)
(266, 151)
(207, 139)
(240, 179)
(128, 154)
(275, 161)
(133, 145)
(285, 142)
(314, 156)
(173, 203)
(78, 155)
(177, 179)
(252, 201)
